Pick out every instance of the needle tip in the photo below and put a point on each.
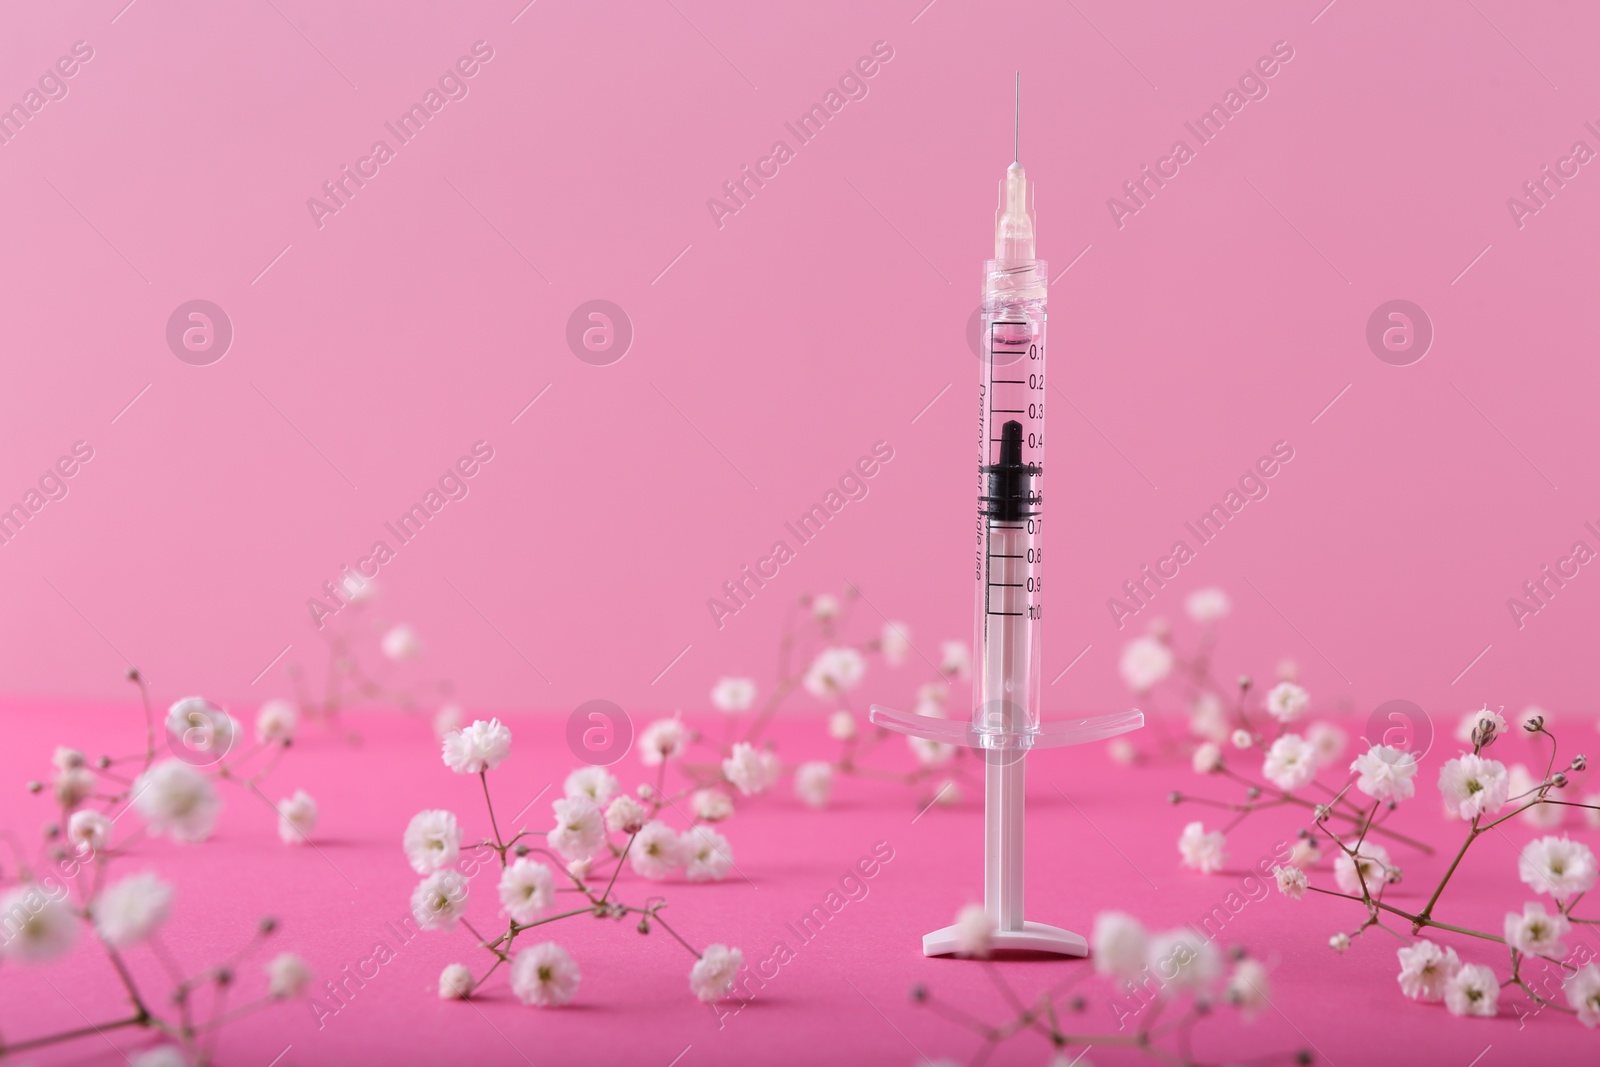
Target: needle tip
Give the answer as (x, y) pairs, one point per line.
(1016, 124)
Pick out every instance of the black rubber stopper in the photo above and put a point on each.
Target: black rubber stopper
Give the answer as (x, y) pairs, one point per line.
(1010, 493)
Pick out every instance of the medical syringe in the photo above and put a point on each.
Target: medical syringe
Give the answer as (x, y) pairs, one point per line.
(1008, 570)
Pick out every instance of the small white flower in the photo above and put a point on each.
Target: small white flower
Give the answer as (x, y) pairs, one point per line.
(596, 783)
(544, 975)
(297, 818)
(68, 759)
(1243, 739)
(975, 931)
(36, 926)
(160, 1056)
(1339, 942)
(1473, 786)
(662, 740)
(579, 869)
(1118, 945)
(707, 856)
(1145, 661)
(1386, 773)
(73, 786)
(1370, 863)
(447, 720)
(439, 900)
(711, 805)
(746, 769)
(1530, 713)
(276, 722)
(483, 746)
(1248, 988)
(1121, 751)
(287, 976)
(896, 642)
(813, 782)
(1558, 866)
(625, 815)
(955, 659)
(1327, 740)
(1207, 759)
(128, 911)
(1305, 852)
(656, 851)
(1208, 605)
(1536, 932)
(1425, 968)
(1201, 850)
(834, 671)
(930, 753)
(1521, 783)
(401, 643)
(432, 840)
(713, 973)
(89, 830)
(455, 982)
(733, 695)
(527, 890)
(1288, 670)
(1191, 960)
(948, 795)
(1291, 881)
(1286, 701)
(1472, 990)
(841, 726)
(580, 829)
(1208, 718)
(202, 727)
(1291, 762)
(824, 607)
(1470, 722)
(1583, 994)
(176, 799)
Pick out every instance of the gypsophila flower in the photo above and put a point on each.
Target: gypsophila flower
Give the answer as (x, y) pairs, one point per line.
(439, 900)
(1472, 990)
(1304, 852)
(1192, 961)
(713, 973)
(1370, 863)
(89, 830)
(526, 890)
(1118, 945)
(824, 607)
(1207, 759)
(744, 768)
(483, 746)
(580, 829)
(841, 726)
(707, 856)
(287, 976)
(711, 805)
(297, 818)
(1535, 932)
(1291, 881)
(544, 975)
(662, 740)
(733, 695)
(68, 759)
(1207, 605)
(1339, 942)
(1291, 762)
(1327, 742)
(1286, 701)
(447, 720)
(202, 727)
(833, 672)
(1242, 739)
(1425, 968)
(160, 1056)
(1121, 750)
(1473, 786)
(276, 722)
(177, 800)
(579, 869)
(975, 931)
(1248, 987)
(625, 815)
(948, 795)
(596, 783)
(1386, 773)
(930, 753)
(128, 911)
(1208, 718)
(1481, 723)
(401, 643)
(955, 659)
(1531, 714)
(1201, 850)
(1558, 866)
(455, 982)
(432, 840)
(656, 851)
(1522, 784)
(895, 643)
(1582, 988)
(1145, 661)
(813, 782)
(73, 786)
(37, 925)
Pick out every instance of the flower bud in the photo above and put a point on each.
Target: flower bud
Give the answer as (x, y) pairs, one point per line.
(1579, 762)
(1535, 724)
(1339, 942)
(1560, 780)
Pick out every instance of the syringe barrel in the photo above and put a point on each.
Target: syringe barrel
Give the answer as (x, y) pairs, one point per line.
(1008, 568)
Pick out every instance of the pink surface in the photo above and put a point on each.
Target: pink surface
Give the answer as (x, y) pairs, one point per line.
(1105, 840)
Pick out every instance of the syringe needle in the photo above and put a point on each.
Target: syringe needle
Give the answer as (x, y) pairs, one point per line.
(1016, 124)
